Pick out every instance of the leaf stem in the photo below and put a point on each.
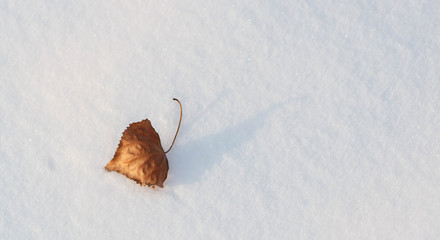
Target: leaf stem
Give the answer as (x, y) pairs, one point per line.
(178, 127)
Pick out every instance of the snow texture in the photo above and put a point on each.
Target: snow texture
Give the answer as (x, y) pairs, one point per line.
(302, 119)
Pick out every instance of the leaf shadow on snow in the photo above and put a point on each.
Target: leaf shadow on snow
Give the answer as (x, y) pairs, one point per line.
(188, 163)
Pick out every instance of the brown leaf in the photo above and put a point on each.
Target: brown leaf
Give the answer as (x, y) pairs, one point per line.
(140, 155)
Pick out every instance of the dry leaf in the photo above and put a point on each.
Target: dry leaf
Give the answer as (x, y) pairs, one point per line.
(140, 155)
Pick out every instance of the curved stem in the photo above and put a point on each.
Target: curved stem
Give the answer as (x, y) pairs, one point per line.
(178, 127)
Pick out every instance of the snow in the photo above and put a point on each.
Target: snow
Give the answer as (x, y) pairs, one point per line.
(302, 119)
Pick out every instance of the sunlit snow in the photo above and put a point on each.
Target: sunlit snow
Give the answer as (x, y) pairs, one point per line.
(301, 119)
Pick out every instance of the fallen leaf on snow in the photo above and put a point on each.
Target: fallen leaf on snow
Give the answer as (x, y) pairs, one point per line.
(140, 155)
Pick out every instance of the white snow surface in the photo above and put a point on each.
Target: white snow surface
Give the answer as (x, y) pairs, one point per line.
(301, 119)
